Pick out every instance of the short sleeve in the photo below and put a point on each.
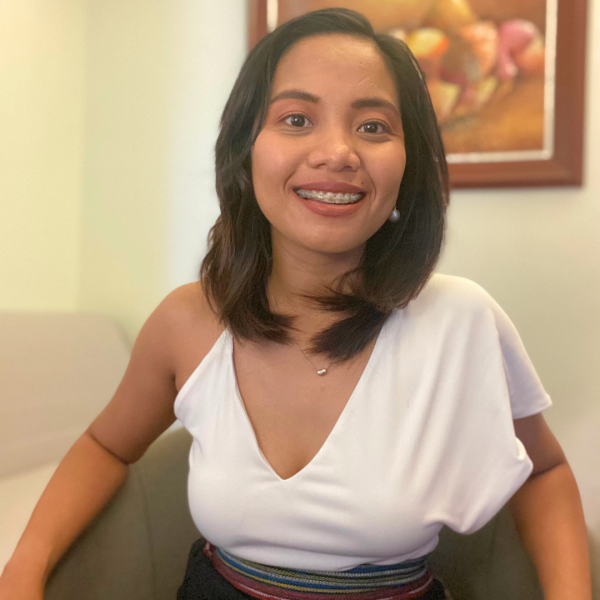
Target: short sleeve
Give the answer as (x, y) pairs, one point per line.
(527, 395)
(488, 381)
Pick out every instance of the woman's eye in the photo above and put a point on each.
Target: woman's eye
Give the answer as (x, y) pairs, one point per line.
(296, 120)
(372, 127)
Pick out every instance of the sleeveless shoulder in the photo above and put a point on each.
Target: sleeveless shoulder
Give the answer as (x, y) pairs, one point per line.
(188, 305)
(200, 334)
(193, 329)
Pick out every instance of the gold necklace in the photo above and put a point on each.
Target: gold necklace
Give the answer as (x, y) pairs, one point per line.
(319, 371)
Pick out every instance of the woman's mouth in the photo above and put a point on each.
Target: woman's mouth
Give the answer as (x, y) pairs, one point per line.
(329, 197)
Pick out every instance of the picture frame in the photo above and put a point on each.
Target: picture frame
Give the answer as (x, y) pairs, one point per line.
(559, 162)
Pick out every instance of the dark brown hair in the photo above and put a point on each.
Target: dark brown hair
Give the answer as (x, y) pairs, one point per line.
(398, 259)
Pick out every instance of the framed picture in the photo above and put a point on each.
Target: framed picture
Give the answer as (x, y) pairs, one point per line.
(506, 79)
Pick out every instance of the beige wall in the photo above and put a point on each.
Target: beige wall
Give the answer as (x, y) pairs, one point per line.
(41, 150)
(158, 75)
(108, 117)
(125, 208)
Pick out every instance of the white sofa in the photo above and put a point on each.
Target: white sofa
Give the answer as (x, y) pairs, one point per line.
(57, 372)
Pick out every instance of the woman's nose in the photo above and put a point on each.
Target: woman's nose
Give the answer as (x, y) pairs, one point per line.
(335, 149)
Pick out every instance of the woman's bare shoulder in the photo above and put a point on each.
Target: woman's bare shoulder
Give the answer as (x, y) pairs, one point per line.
(192, 326)
(187, 305)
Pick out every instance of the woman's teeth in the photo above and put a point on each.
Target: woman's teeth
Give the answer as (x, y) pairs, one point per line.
(329, 197)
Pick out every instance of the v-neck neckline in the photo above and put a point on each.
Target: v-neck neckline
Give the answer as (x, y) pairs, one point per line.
(240, 402)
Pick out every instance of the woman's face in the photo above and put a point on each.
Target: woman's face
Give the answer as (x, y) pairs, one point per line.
(333, 121)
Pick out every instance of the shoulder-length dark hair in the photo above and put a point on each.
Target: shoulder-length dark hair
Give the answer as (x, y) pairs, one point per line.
(398, 259)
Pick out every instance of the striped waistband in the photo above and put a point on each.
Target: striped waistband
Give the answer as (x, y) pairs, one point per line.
(402, 581)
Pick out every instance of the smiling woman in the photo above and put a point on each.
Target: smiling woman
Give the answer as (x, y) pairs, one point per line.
(333, 187)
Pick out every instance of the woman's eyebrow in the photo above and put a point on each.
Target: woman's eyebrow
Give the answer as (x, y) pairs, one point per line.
(371, 102)
(296, 95)
(375, 102)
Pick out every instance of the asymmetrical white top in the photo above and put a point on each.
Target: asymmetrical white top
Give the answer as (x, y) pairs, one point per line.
(425, 440)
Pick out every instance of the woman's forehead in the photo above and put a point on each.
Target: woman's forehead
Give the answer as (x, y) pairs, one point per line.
(321, 62)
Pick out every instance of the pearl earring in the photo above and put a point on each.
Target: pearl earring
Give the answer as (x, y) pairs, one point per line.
(395, 215)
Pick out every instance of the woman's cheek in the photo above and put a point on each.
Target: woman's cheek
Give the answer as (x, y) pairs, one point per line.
(393, 173)
(268, 159)
(260, 164)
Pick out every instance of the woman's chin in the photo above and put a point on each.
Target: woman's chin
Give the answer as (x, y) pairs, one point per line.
(334, 247)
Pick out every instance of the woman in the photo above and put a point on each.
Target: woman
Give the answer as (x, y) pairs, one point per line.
(345, 404)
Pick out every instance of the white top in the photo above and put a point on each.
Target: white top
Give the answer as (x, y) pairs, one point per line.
(425, 440)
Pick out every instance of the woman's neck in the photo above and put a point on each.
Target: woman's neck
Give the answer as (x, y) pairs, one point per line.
(297, 271)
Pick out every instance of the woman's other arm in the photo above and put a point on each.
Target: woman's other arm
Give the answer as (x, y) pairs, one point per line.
(549, 516)
(97, 464)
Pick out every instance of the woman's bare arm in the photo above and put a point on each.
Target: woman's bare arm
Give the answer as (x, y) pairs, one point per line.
(97, 464)
(549, 516)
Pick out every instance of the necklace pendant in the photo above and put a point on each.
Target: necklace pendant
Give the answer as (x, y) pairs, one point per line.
(322, 372)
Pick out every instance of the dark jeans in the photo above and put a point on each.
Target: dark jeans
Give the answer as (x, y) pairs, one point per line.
(203, 582)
